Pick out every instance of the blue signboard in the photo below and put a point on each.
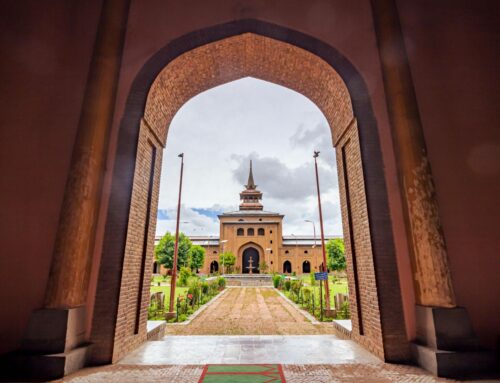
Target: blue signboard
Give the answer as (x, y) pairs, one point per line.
(323, 276)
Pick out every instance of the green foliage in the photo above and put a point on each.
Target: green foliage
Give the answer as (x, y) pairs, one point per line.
(336, 254)
(221, 282)
(197, 256)
(307, 293)
(194, 288)
(227, 259)
(288, 284)
(263, 267)
(184, 275)
(164, 251)
(294, 274)
(312, 280)
(204, 287)
(276, 280)
(344, 311)
(296, 286)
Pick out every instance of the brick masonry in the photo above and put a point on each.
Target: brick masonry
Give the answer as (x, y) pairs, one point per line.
(196, 63)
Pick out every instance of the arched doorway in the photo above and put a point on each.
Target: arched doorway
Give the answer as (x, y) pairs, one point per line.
(214, 267)
(287, 267)
(250, 259)
(156, 268)
(306, 267)
(257, 49)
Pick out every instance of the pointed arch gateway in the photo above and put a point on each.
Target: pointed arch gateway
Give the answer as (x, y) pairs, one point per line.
(197, 62)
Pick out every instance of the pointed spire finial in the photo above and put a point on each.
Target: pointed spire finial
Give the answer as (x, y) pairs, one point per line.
(250, 183)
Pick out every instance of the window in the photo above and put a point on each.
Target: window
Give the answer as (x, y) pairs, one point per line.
(240, 231)
(286, 251)
(261, 231)
(260, 219)
(250, 231)
(271, 241)
(305, 251)
(270, 231)
(241, 220)
(215, 251)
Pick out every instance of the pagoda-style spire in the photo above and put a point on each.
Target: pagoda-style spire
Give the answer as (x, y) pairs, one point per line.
(250, 198)
(250, 183)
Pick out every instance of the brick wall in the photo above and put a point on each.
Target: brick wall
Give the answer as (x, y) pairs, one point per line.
(197, 63)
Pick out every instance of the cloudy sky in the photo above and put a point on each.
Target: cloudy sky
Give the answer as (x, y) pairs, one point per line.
(220, 130)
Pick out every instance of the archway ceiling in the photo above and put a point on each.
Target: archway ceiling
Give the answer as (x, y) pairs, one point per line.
(247, 55)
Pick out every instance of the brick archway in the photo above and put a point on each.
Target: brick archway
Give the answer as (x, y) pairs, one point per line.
(197, 62)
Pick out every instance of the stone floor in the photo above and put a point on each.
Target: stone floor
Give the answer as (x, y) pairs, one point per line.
(250, 349)
(251, 311)
(301, 373)
(270, 324)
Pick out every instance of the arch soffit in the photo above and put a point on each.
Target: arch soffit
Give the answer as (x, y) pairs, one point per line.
(248, 245)
(247, 55)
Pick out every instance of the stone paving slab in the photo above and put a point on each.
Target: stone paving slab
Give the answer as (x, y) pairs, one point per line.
(291, 349)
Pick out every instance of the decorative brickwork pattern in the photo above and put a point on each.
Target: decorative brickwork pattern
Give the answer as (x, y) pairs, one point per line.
(241, 56)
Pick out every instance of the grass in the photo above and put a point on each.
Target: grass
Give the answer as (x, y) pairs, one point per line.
(339, 287)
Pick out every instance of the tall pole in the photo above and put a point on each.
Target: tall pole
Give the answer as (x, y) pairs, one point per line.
(176, 246)
(327, 288)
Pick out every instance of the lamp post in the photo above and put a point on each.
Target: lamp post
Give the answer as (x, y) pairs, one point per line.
(223, 242)
(171, 312)
(327, 287)
(314, 231)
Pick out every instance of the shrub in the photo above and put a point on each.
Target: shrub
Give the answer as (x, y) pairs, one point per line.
(307, 294)
(204, 287)
(294, 274)
(184, 275)
(312, 280)
(213, 286)
(296, 285)
(288, 284)
(221, 282)
(276, 280)
(344, 311)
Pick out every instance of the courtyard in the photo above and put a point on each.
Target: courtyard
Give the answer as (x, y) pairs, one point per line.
(253, 326)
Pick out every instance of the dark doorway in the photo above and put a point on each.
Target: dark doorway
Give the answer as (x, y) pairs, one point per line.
(214, 267)
(306, 267)
(156, 268)
(254, 255)
(287, 267)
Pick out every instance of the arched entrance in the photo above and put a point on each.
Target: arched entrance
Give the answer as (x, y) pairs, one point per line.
(250, 260)
(306, 267)
(156, 268)
(200, 61)
(287, 267)
(214, 267)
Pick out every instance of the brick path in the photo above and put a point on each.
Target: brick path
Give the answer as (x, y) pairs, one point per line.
(251, 311)
(338, 373)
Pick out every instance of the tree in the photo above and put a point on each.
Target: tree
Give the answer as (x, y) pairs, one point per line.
(164, 251)
(335, 254)
(227, 259)
(197, 257)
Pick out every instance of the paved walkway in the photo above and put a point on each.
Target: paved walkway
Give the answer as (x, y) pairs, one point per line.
(251, 311)
(254, 311)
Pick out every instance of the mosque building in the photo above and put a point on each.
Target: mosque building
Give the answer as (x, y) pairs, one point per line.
(255, 237)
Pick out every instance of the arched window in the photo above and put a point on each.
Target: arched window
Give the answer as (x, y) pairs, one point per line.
(250, 231)
(241, 220)
(286, 251)
(287, 267)
(305, 251)
(240, 231)
(261, 231)
(306, 267)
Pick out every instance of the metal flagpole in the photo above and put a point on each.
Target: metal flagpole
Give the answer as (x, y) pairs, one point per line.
(327, 288)
(176, 246)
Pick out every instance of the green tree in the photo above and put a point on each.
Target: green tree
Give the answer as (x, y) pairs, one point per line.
(164, 251)
(227, 259)
(197, 254)
(336, 254)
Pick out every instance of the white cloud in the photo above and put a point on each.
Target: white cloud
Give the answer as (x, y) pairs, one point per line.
(221, 129)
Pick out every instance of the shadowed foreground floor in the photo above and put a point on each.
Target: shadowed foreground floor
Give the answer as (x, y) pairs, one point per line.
(338, 373)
